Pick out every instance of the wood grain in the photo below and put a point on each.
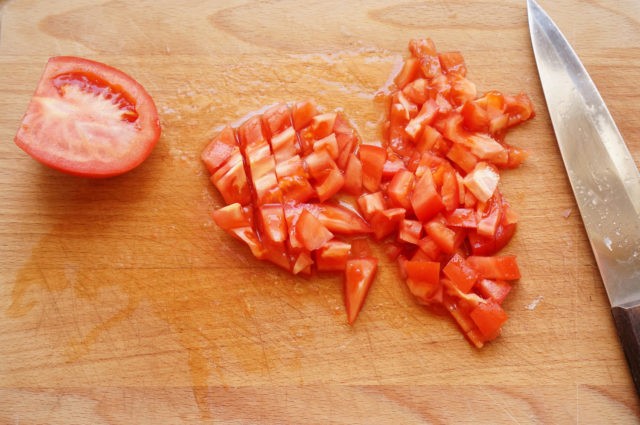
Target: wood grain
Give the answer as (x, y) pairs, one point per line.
(121, 302)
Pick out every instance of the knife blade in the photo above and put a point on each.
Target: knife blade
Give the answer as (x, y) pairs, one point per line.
(602, 172)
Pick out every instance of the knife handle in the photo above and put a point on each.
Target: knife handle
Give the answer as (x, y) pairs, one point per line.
(628, 324)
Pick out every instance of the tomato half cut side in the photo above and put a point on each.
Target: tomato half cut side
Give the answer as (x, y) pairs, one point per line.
(88, 119)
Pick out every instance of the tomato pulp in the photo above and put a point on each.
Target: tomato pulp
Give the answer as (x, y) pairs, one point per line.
(88, 119)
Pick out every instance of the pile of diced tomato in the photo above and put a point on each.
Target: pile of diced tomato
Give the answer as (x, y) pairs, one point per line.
(302, 189)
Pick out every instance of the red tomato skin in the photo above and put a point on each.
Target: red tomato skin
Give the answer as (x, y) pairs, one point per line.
(41, 146)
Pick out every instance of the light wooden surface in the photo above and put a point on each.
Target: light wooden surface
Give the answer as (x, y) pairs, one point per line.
(121, 302)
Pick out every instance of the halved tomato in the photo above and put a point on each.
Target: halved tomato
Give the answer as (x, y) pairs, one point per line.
(88, 119)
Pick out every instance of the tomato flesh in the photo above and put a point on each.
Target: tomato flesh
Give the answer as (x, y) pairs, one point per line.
(88, 119)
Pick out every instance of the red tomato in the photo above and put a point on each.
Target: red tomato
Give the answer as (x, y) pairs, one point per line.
(425, 200)
(339, 219)
(497, 267)
(385, 222)
(497, 290)
(488, 317)
(372, 158)
(461, 273)
(311, 232)
(333, 256)
(353, 176)
(88, 119)
(359, 274)
(400, 189)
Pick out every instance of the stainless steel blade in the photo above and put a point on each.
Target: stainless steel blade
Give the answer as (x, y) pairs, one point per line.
(602, 172)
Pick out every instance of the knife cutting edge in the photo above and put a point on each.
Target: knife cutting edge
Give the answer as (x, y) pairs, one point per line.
(602, 172)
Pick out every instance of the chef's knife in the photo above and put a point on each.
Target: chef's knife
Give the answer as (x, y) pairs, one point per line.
(602, 172)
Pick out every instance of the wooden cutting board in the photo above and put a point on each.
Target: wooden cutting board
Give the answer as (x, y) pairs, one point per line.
(121, 302)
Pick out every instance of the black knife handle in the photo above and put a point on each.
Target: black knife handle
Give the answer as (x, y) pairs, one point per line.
(628, 324)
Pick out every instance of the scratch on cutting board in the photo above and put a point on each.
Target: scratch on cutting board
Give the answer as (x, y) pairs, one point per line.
(533, 304)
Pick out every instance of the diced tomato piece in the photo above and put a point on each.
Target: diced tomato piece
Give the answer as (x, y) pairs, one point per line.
(427, 56)
(231, 181)
(392, 166)
(277, 119)
(489, 215)
(489, 318)
(425, 200)
(462, 217)
(369, 203)
(385, 222)
(447, 239)
(302, 113)
(482, 245)
(516, 156)
(462, 90)
(219, 149)
(423, 290)
(320, 164)
(322, 125)
(251, 132)
(460, 314)
(461, 273)
(331, 185)
(482, 181)
(486, 148)
(462, 157)
(519, 108)
(452, 63)
(293, 181)
(430, 248)
(425, 117)
(249, 236)
(231, 216)
(273, 222)
(497, 290)
(428, 161)
(284, 145)
(347, 143)
(332, 256)
(474, 117)
(372, 158)
(449, 191)
(360, 248)
(339, 219)
(431, 140)
(410, 69)
(410, 231)
(311, 232)
(359, 275)
(497, 267)
(400, 189)
(302, 263)
(417, 91)
(353, 176)
(424, 271)
(328, 143)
